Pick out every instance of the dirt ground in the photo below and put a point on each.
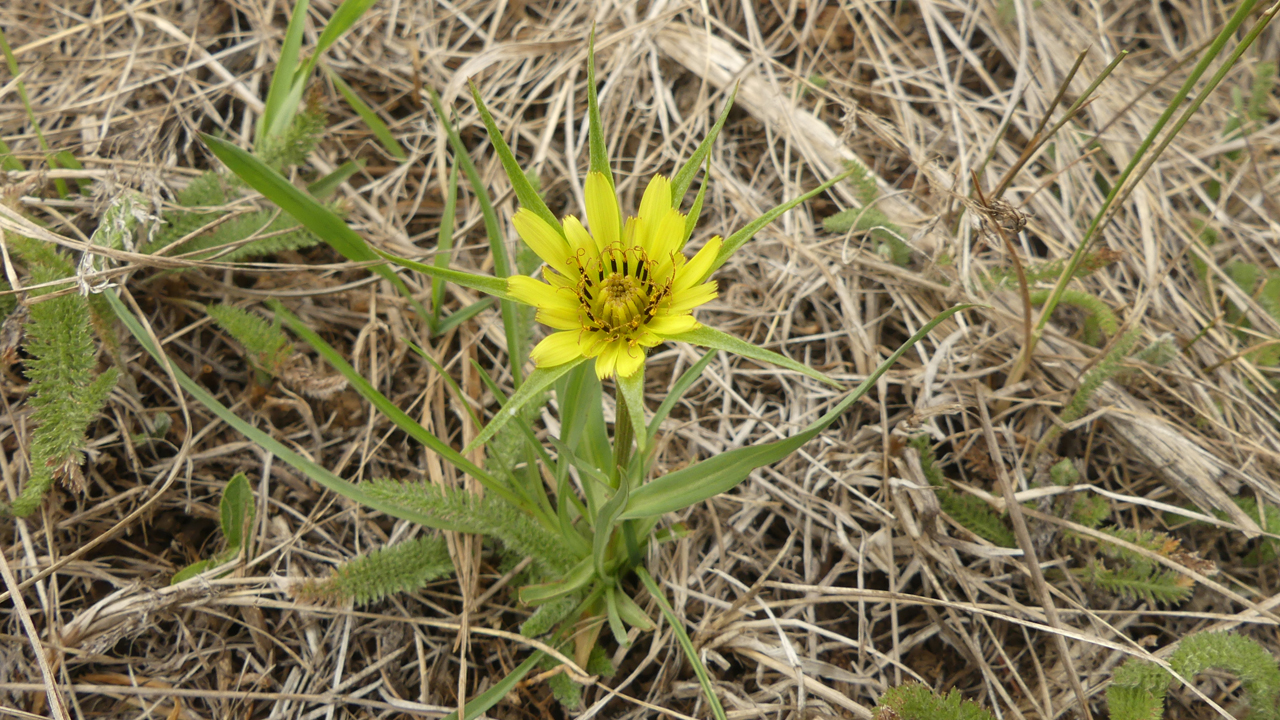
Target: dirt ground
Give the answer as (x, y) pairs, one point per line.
(821, 581)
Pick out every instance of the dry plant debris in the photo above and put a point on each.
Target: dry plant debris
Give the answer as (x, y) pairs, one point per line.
(822, 581)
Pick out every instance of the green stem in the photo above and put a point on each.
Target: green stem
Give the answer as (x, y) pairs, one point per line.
(1242, 12)
(623, 434)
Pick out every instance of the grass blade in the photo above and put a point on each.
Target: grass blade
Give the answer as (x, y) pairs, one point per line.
(684, 177)
(306, 210)
(370, 118)
(740, 238)
(444, 241)
(317, 473)
(275, 115)
(682, 386)
(632, 389)
(707, 337)
(723, 472)
(686, 644)
(487, 284)
(483, 702)
(540, 379)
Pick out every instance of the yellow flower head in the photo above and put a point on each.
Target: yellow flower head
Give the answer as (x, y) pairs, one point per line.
(619, 289)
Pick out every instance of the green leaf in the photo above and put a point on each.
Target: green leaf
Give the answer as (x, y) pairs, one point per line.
(488, 284)
(682, 637)
(306, 210)
(194, 569)
(8, 162)
(370, 118)
(444, 241)
(275, 117)
(326, 186)
(723, 472)
(236, 511)
(540, 379)
(684, 177)
(301, 464)
(525, 191)
(616, 625)
(574, 580)
(682, 386)
(481, 703)
(707, 337)
(632, 389)
(497, 247)
(455, 319)
(599, 154)
(695, 211)
(385, 406)
(740, 238)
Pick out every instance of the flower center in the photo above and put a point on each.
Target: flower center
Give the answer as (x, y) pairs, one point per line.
(617, 294)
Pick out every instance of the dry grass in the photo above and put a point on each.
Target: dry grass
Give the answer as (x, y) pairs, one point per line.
(820, 581)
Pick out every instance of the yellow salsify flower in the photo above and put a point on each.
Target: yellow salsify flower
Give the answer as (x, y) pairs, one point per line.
(618, 290)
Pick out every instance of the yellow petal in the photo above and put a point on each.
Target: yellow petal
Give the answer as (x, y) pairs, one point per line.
(527, 290)
(695, 271)
(542, 238)
(671, 324)
(580, 241)
(560, 318)
(656, 201)
(556, 349)
(667, 236)
(607, 361)
(688, 299)
(602, 210)
(630, 360)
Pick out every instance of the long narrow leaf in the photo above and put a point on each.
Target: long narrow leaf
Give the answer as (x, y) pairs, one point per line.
(540, 379)
(678, 390)
(707, 337)
(682, 637)
(444, 241)
(481, 703)
(317, 473)
(740, 238)
(684, 177)
(598, 154)
(328, 185)
(497, 247)
(390, 409)
(487, 284)
(270, 122)
(525, 193)
(306, 210)
(723, 472)
(369, 116)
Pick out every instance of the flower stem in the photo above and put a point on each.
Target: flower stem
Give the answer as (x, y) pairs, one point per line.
(623, 434)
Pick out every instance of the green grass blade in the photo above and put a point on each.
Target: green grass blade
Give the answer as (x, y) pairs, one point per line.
(682, 386)
(740, 238)
(455, 319)
(370, 118)
(707, 337)
(684, 176)
(540, 379)
(501, 264)
(8, 162)
(444, 241)
(1242, 12)
(686, 644)
(306, 210)
(388, 408)
(598, 153)
(339, 23)
(317, 473)
(487, 284)
(485, 701)
(275, 115)
(723, 472)
(525, 193)
(325, 187)
(695, 211)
